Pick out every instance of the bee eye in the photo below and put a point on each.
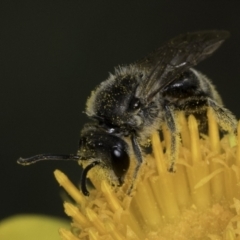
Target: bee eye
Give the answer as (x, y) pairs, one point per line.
(135, 104)
(120, 161)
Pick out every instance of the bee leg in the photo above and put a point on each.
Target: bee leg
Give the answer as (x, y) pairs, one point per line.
(138, 155)
(173, 128)
(84, 177)
(226, 120)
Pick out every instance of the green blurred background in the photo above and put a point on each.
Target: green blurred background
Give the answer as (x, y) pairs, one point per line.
(53, 53)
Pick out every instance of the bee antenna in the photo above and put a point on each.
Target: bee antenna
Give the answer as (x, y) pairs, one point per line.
(43, 157)
(84, 177)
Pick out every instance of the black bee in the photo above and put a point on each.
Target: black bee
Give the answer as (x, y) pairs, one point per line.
(137, 99)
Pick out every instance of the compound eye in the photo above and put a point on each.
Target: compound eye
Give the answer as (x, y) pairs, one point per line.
(135, 104)
(120, 161)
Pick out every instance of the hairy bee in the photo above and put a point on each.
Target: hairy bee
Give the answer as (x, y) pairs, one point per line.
(137, 99)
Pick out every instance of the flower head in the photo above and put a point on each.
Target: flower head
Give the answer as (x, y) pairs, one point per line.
(200, 201)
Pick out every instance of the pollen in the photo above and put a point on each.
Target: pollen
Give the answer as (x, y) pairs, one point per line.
(200, 201)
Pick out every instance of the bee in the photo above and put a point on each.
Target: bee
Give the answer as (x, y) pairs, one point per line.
(139, 98)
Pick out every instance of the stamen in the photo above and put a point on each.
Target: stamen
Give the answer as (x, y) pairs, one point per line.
(213, 132)
(110, 196)
(201, 196)
(74, 212)
(69, 187)
(186, 142)
(92, 216)
(195, 143)
(67, 235)
(113, 231)
(238, 146)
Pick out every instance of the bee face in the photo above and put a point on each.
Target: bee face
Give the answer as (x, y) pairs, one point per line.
(137, 99)
(106, 150)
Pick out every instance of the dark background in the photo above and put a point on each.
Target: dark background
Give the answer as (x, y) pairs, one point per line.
(53, 53)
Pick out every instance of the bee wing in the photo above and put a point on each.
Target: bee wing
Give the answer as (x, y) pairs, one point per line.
(176, 56)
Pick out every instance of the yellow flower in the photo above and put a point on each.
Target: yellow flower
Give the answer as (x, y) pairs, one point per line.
(30, 227)
(200, 201)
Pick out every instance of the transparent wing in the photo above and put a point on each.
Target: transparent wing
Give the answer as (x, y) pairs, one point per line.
(177, 55)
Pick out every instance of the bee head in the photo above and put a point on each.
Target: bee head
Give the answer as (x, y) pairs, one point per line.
(109, 152)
